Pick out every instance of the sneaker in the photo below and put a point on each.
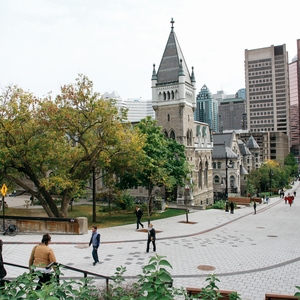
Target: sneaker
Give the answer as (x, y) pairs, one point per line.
(142, 226)
(94, 263)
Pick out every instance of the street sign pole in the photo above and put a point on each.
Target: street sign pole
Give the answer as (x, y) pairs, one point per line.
(3, 192)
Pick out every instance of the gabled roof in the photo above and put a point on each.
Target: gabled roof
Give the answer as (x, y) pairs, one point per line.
(169, 67)
(243, 171)
(251, 143)
(243, 148)
(220, 151)
(221, 138)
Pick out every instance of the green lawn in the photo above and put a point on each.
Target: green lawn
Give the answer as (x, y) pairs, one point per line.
(103, 219)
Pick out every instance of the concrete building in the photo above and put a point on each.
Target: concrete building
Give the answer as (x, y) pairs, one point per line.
(232, 114)
(272, 145)
(207, 109)
(267, 88)
(174, 103)
(294, 77)
(138, 109)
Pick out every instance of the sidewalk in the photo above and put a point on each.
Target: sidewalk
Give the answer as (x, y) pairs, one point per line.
(252, 254)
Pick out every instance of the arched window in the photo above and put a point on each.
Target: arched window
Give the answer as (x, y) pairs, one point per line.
(168, 118)
(206, 174)
(172, 135)
(172, 94)
(168, 95)
(166, 134)
(217, 179)
(214, 165)
(200, 174)
(219, 165)
(188, 138)
(232, 181)
(165, 96)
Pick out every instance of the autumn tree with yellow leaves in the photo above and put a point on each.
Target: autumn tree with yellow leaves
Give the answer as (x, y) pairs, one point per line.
(56, 143)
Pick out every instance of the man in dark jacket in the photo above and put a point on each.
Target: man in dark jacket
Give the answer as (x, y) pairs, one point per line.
(151, 238)
(138, 213)
(95, 242)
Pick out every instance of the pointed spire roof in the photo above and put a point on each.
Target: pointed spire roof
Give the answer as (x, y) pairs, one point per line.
(170, 65)
(251, 143)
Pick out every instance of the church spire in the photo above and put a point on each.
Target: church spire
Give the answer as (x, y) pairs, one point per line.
(172, 63)
(154, 76)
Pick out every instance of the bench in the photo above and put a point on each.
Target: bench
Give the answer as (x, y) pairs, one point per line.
(240, 200)
(279, 297)
(258, 200)
(194, 291)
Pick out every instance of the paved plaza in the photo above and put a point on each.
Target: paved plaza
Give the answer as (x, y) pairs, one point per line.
(251, 254)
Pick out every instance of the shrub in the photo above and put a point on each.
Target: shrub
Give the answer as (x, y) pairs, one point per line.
(125, 202)
(24, 287)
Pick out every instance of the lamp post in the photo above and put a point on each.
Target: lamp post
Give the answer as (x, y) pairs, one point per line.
(226, 173)
(187, 190)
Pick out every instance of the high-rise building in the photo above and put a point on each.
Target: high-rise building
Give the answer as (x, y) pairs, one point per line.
(267, 89)
(232, 114)
(207, 109)
(294, 76)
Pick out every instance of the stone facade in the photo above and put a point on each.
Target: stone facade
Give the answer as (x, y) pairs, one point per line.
(174, 103)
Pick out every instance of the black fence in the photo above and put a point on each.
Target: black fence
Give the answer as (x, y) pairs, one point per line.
(84, 272)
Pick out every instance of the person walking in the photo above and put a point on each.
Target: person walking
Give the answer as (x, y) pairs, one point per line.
(41, 256)
(95, 242)
(139, 214)
(151, 238)
(231, 207)
(254, 207)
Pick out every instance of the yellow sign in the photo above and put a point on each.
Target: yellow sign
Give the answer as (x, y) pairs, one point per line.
(3, 190)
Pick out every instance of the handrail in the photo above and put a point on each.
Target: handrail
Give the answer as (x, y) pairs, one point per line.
(85, 273)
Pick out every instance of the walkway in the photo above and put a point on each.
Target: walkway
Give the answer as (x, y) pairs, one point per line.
(252, 254)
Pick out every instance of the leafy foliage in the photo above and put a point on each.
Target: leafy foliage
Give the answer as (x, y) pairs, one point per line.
(24, 287)
(163, 162)
(270, 176)
(57, 143)
(154, 283)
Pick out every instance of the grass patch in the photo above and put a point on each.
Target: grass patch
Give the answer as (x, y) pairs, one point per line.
(103, 219)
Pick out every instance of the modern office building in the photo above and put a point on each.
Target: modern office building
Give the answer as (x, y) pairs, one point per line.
(232, 114)
(294, 77)
(267, 89)
(241, 93)
(207, 109)
(138, 109)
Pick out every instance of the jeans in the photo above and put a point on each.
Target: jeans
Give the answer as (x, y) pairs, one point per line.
(95, 254)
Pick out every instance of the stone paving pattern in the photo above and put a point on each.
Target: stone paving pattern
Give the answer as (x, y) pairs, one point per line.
(251, 254)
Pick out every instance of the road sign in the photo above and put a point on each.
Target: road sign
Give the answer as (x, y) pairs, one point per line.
(3, 190)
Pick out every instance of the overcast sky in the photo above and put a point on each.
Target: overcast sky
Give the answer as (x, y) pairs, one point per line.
(46, 43)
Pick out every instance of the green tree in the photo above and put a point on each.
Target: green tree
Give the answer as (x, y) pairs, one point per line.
(163, 162)
(291, 165)
(55, 144)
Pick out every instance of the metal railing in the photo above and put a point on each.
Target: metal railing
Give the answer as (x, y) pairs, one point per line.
(84, 272)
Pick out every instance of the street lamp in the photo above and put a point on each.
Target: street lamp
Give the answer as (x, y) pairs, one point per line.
(226, 173)
(186, 192)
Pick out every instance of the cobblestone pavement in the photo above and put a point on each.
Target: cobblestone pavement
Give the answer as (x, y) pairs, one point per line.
(251, 254)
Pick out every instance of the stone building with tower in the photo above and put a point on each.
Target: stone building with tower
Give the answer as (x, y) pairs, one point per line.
(174, 103)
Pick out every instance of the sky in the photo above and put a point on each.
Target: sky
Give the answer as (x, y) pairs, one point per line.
(45, 44)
